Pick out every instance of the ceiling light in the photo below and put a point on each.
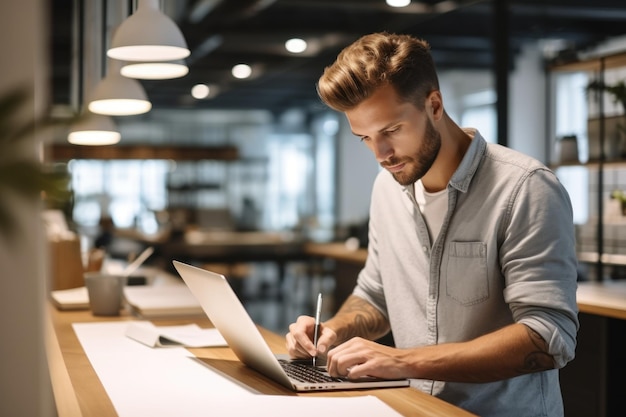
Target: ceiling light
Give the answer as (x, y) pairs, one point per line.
(398, 3)
(116, 95)
(296, 45)
(148, 35)
(155, 70)
(94, 129)
(241, 71)
(205, 91)
(200, 91)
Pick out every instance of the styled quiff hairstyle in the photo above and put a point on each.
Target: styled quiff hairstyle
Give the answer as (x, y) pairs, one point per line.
(401, 61)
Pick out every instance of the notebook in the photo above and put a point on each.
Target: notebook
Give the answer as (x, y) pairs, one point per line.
(229, 316)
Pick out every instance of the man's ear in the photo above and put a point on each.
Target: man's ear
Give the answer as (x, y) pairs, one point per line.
(434, 104)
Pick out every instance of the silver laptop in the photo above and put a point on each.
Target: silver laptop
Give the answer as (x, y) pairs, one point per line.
(229, 316)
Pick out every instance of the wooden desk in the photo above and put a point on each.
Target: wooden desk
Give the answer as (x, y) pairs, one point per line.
(347, 264)
(337, 251)
(606, 299)
(221, 246)
(78, 391)
(227, 247)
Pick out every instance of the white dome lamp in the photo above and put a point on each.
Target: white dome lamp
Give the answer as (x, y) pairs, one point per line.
(116, 95)
(161, 70)
(148, 35)
(94, 130)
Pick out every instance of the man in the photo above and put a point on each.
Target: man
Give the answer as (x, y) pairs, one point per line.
(471, 258)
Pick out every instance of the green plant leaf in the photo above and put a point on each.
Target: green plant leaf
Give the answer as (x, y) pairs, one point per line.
(618, 90)
(19, 175)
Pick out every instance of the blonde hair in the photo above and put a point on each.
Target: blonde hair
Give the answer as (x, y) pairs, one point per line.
(375, 60)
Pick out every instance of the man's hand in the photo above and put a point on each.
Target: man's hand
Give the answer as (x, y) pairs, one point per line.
(360, 357)
(505, 353)
(356, 317)
(300, 338)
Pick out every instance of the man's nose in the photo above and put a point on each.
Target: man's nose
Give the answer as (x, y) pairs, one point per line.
(382, 149)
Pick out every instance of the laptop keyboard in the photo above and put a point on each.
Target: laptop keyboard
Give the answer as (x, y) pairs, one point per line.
(305, 372)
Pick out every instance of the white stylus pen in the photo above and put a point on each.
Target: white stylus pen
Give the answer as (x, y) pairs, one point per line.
(318, 313)
(143, 256)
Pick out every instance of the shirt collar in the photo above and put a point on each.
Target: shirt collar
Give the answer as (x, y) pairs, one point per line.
(464, 173)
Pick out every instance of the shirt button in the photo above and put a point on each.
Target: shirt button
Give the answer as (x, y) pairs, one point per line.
(425, 248)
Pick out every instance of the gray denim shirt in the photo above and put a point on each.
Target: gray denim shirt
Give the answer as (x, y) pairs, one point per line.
(505, 254)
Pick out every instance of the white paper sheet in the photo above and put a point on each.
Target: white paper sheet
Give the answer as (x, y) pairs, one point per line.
(156, 382)
(142, 381)
(162, 300)
(187, 335)
(71, 299)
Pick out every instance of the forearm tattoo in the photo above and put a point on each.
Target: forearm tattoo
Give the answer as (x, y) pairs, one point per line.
(539, 359)
(367, 321)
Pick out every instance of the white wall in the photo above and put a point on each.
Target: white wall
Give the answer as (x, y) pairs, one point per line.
(527, 104)
(24, 382)
(456, 85)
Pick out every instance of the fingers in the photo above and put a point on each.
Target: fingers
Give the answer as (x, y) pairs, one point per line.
(358, 358)
(299, 340)
(344, 358)
(326, 338)
(295, 349)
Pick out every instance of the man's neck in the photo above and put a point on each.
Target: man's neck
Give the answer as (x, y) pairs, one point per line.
(454, 144)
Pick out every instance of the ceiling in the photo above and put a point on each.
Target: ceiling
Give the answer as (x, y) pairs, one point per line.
(222, 33)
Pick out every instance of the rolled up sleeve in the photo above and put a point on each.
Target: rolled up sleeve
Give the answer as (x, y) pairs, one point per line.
(540, 264)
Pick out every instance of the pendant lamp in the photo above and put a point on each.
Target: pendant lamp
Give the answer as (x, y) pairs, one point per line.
(148, 35)
(155, 70)
(116, 95)
(94, 129)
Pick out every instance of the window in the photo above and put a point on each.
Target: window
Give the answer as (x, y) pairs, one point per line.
(122, 190)
(571, 119)
(478, 111)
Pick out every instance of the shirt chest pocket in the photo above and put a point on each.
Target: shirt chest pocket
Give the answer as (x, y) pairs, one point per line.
(466, 272)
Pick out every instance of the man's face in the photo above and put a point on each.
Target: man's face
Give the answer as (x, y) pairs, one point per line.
(402, 138)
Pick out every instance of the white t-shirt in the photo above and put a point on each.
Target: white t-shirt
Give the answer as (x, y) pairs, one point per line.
(433, 206)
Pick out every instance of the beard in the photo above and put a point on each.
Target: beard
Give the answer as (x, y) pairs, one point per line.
(418, 165)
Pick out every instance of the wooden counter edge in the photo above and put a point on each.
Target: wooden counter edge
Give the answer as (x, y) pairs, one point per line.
(604, 298)
(62, 388)
(337, 251)
(603, 311)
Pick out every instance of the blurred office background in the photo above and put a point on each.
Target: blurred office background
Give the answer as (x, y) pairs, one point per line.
(262, 155)
(275, 159)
